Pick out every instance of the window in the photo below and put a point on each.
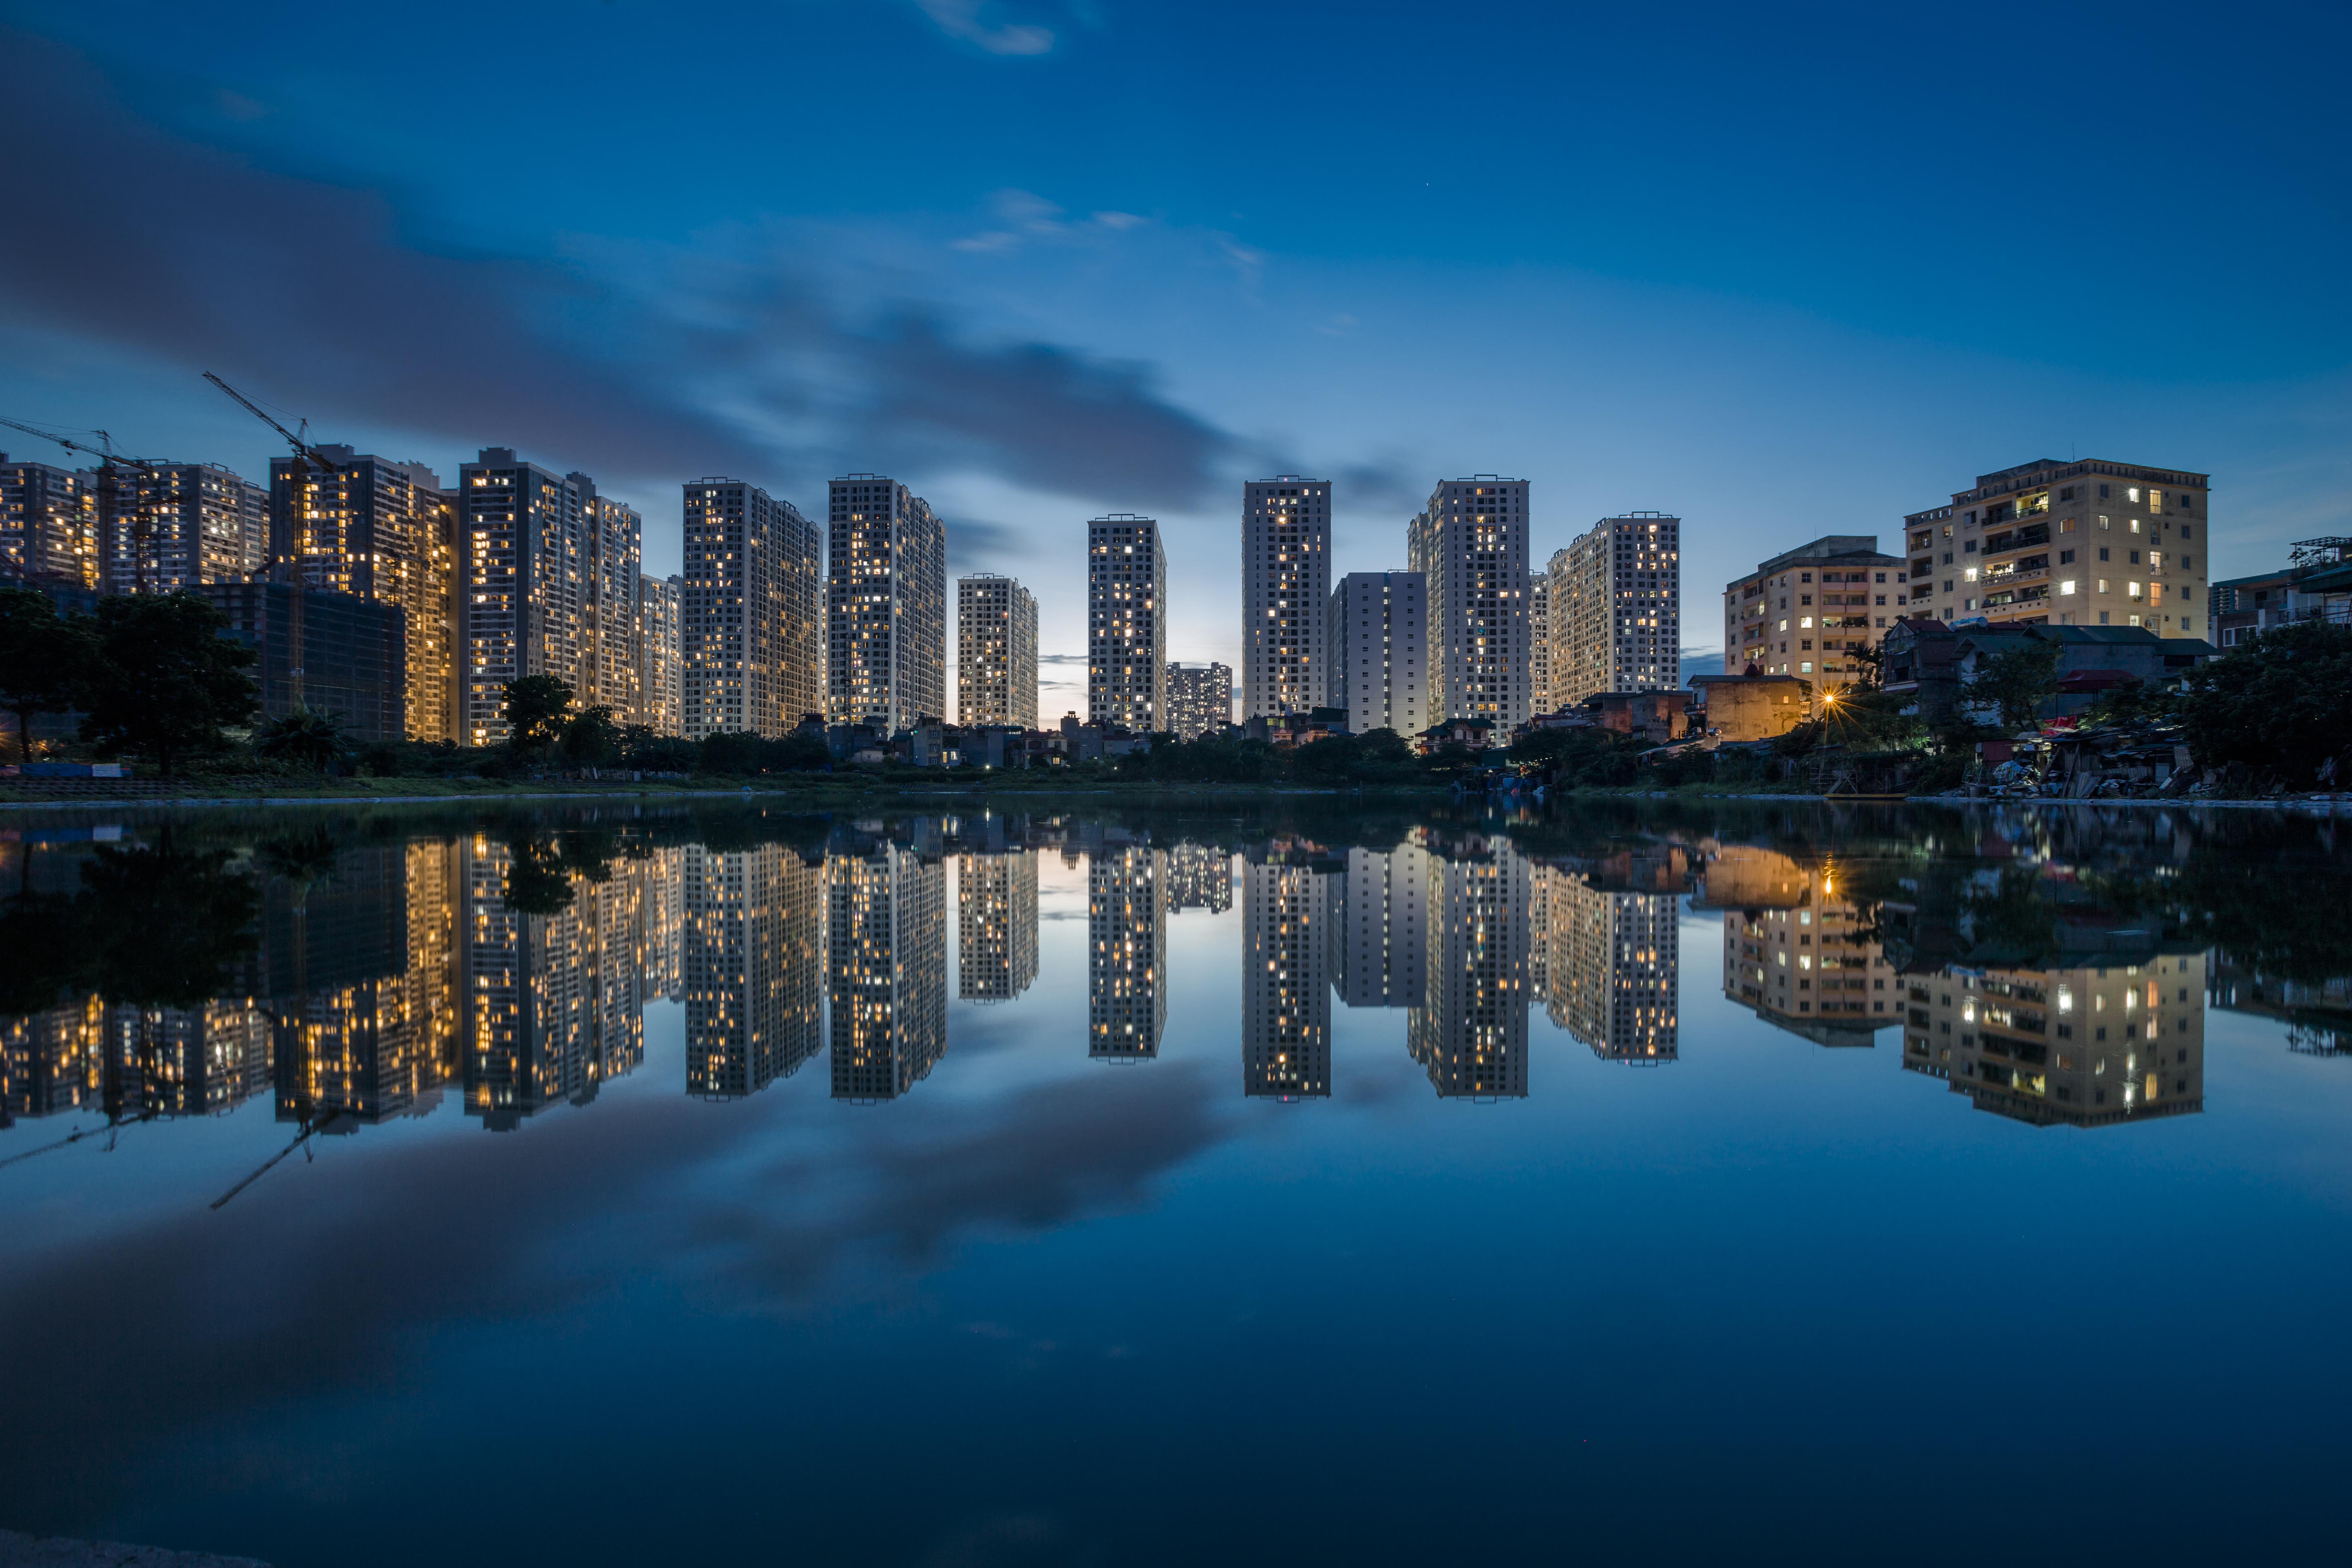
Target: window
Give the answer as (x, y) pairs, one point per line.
(2132, 494)
(2103, 523)
(2103, 492)
(2102, 553)
(2067, 493)
(2184, 531)
(2102, 588)
(2067, 586)
(2066, 558)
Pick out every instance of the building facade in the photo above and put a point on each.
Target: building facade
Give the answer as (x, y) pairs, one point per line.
(179, 524)
(48, 523)
(753, 955)
(1286, 584)
(743, 654)
(661, 684)
(1127, 623)
(1807, 612)
(996, 925)
(1285, 984)
(331, 653)
(996, 651)
(1126, 951)
(1378, 662)
(1470, 546)
(1540, 697)
(886, 606)
(524, 542)
(886, 964)
(2087, 543)
(1470, 1031)
(613, 667)
(379, 531)
(1200, 699)
(1616, 608)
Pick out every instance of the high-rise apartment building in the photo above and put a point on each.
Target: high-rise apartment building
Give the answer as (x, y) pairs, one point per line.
(1285, 986)
(613, 668)
(1285, 586)
(1807, 612)
(1539, 697)
(744, 652)
(525, 540)
(886, 606)
(2087, 543)
(1616, 608)
(48, 523)
(179, 524)
(1470, 546)
(996, 651)
(1126, 951)
(996, 925)
(1200, 699)
(1377, 665)
(1126, 623)
(379, 531)
(661, 686)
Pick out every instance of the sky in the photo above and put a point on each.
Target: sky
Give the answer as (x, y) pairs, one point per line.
(1781, 271)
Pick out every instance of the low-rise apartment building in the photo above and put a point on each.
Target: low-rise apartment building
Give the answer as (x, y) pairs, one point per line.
(1807, 612)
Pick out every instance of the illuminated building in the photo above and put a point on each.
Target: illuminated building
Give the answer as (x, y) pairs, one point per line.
(1616, 609)
(48, 523)
(1382, 934)
(179, 524)
(1539, 697)
(996, 925)
(612, 665)
(525, 538)
(996, 651)
(1470, 546)
(183, 1061)
(661, 689)
(1200, 699)
(1612, 968)
(1795, 952)
(1285, 989)
(382, 532)
(1200, 877)
(754, 964)
(52, 1060)
(1285, 582)
(887, 963)
(1471, 1030)
(1126, 951)
(886, 606)
(1378, 665)
(1127, 623)
(331, 653)
(2083, 543)
(661, 958)
(1807, 612)
(747, 612)
(2092, 1045)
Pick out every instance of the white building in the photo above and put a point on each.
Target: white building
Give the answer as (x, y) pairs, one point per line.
(745, 611)
(1200, 699)
(885, 606)
(996, 651)
(1378, 666)
(1616, 608)
(661, 692)
(1126, 623)
(1286, 584)
(1470, 544)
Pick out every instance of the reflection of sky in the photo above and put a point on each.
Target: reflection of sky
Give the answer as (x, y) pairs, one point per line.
(1048, 1309)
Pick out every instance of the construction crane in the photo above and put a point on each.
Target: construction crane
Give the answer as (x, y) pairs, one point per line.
(110, 494)
(311, 457)
(313, 462)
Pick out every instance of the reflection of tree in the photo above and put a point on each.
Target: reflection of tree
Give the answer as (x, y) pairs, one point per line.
(153, 926)
(2291, 919)
(2012, 917)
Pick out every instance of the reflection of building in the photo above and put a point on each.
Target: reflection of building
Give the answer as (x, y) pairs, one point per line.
(2317, 1013)
(49, 1060)
(2086, 1046)
(662, 946)
(887, 963)
(754, 962)
(1286, 992)
(1126, 951)
(996, 925)
(551, 1005)
(1612, 968)
(183, 1061)
(1381, 935)
(1200, 877)
(1795, 952)
(1471, 1030)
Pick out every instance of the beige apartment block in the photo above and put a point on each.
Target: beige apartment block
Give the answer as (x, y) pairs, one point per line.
(1807, 612)
(996, 651)
(1470, 546)
(2086, 543)
(1615, 609)
(885, 606)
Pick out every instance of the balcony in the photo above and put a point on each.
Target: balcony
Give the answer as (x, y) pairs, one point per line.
(2021, 539)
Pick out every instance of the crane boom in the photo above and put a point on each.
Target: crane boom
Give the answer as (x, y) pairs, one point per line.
(302, 450)
(101, 453)
(110, 496)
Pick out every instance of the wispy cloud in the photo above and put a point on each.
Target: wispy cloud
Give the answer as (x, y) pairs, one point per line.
(966, 21)
(1023, 216)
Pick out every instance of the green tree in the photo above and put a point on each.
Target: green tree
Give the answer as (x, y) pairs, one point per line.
(162, 681)
(43, 656)
(591, 738)
(539, 707)
(2282, 699)
(304, 737)
(2017, 680)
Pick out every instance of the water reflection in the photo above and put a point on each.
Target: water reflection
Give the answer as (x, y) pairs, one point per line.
(2050, 969)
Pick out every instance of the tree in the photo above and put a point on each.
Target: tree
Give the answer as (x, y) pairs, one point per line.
(537, 709)
(43, 656)
(2280, 700)
(2017, 680)
(309, 739)
(591, 738)
(162, 679)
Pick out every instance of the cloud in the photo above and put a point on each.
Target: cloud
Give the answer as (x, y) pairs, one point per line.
(1024, 216)
(310, 294)
(962, 20)
(975, 541)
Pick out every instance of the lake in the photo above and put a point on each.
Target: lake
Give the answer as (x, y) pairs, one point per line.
(1259, 1182)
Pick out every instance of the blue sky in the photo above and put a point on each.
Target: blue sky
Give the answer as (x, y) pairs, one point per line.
(1783, 271)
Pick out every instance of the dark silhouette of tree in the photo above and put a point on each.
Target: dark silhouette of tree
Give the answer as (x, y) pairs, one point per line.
(162, 682)
(43, 659)
(2280, 701)
(539, 707)
(2017, 680)
(304, 737)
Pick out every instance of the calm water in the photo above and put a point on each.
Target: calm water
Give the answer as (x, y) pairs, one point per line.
(1224, 1185)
